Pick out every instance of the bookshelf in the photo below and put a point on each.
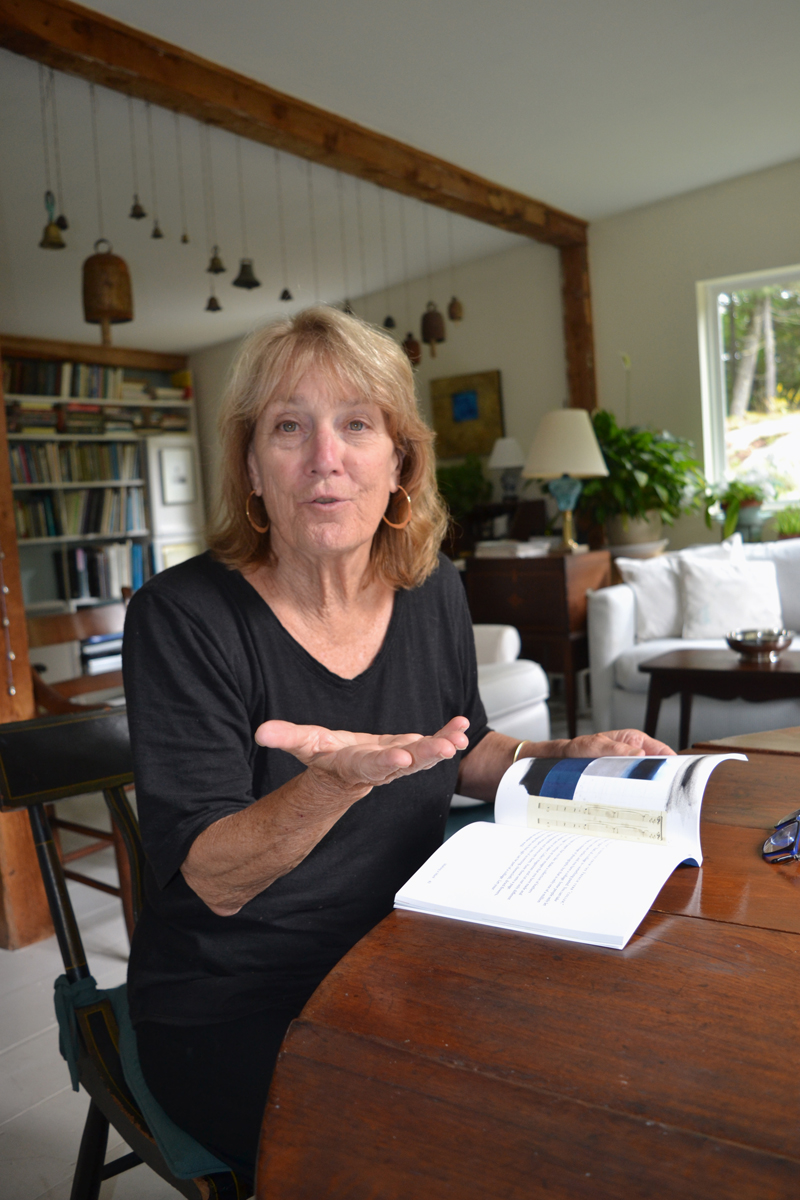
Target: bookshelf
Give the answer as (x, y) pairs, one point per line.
(96, 437)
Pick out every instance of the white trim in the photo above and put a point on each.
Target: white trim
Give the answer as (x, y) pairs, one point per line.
(710, 343)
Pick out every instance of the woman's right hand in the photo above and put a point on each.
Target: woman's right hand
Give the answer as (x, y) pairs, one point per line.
(238, 856)
(357, 762)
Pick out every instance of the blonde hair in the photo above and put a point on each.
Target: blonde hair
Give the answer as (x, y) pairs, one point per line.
(269, 366)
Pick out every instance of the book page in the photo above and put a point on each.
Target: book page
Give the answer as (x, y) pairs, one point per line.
(558, 884)
(648, 800)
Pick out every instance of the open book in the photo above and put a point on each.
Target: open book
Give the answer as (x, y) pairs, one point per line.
(580, 849)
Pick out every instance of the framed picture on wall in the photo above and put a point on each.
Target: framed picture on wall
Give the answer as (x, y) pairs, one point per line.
(467, 413)
(177, 475)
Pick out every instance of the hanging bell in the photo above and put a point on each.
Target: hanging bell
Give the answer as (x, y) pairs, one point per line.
(389, 322)
(285, 295)
(51, 235)
(62, 222)
(213, 304)
(432, 327)
(216, 266)
(137, 209)
(246, 277)
(156, 230)
(107, 292)
(455, 309)
(185, 239)
(412, 349)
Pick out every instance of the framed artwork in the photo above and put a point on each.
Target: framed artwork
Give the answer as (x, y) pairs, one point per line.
(177, 475)
(467, 413)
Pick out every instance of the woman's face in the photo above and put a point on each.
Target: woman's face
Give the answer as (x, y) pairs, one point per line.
(324, 464)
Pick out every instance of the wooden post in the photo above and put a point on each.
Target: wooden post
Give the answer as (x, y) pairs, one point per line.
(578, 332)
(24, 915)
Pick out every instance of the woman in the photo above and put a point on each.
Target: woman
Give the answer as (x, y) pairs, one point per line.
(303, 702)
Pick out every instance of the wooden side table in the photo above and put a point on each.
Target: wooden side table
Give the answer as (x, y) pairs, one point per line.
(716, 673)
(545, 598)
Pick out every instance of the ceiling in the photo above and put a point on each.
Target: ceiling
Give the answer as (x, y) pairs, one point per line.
(594, 106)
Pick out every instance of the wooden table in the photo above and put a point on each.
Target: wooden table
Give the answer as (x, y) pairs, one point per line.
(442, 1059)
(545, 598)
(717, 673)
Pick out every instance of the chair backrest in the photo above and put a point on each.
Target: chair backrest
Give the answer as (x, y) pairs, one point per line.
(59, 628)
(51, 758)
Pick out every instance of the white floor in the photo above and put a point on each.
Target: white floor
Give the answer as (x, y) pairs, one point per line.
(41, 1118)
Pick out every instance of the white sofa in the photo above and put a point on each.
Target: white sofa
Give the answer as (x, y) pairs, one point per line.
(619, 688)
(514, 690)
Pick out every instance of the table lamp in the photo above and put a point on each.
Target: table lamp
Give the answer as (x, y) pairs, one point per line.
(507, 457)
(565, 451)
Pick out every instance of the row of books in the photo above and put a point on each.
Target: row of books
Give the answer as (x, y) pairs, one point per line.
(40, 377)
(86, 420)
(76, 462)
(84, 510)
(99, 572)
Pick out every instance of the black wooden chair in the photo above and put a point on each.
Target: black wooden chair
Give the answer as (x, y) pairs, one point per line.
(43, 761)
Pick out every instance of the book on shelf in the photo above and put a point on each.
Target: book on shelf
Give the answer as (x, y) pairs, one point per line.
(49, 462)
(36, 516)
(580, 848)
(99, 572)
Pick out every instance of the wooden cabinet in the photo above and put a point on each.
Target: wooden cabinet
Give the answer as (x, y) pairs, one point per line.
(545, 598)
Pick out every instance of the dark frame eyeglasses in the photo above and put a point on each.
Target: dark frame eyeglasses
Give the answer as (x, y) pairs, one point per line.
(784, 843)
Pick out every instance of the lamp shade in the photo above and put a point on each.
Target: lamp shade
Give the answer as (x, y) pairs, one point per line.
(565, 444)
(506, 453)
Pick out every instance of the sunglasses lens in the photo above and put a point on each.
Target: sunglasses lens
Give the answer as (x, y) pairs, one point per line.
(792, 816)
(780, 840)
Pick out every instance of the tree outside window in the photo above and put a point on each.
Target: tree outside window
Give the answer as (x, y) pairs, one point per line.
(750, 347)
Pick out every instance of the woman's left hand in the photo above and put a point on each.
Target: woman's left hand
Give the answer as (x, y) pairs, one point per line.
(615, 742)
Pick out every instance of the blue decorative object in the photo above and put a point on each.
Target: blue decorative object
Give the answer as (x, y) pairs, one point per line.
(465, 406)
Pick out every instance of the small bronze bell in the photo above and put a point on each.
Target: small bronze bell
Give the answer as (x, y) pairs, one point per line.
(246, 277)
(389, 322)
(432, 327)
(455, 309)
(185, 239)
(156, 230)
(285, 295)
(62, 222)
(107, 292)
(137, 209)
(412, 349)
(213, 304)
(216, 265)
(51, 235)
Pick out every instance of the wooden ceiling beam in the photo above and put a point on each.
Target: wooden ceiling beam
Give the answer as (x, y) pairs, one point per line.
(81, 42)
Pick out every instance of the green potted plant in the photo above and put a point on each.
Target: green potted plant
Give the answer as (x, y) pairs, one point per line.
(652, 477)
(740, 501)
(787, 521)
(463, 486)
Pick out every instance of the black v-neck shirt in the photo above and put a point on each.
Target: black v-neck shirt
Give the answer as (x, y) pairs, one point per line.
(206, 661)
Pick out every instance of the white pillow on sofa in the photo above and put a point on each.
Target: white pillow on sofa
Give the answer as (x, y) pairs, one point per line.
(786, 556)
(656, 586)
(721, 596)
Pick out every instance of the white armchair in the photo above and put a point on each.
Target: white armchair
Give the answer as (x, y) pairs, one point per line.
(514, 690)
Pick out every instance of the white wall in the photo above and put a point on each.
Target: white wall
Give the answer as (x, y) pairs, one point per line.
(644, 266)
(512, 305)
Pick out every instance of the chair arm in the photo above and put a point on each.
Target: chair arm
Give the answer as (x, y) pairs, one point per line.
(611, 624)
(496, 643)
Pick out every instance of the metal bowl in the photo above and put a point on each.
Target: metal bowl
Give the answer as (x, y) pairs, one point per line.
(760, 645)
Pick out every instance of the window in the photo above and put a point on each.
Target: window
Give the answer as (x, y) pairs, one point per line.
(749, 329)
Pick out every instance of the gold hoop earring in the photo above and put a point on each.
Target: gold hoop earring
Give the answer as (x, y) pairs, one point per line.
(258, 528)
(402, 524)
